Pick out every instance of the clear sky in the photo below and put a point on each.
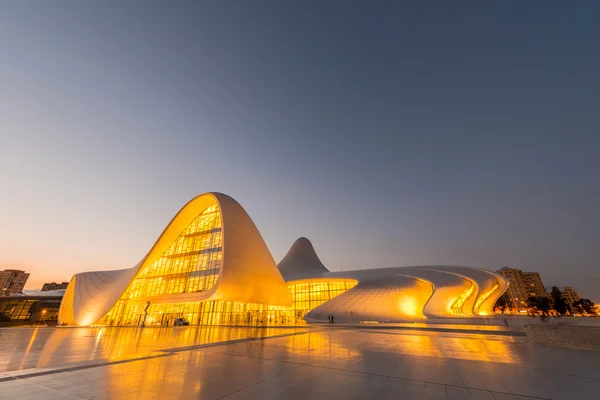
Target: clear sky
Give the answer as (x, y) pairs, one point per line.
(462, 133)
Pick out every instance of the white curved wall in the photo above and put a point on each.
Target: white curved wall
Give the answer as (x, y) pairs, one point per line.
(248, 274)
(424, 291)
(386, 297)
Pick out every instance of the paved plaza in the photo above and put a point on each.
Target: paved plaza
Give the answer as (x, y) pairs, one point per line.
(314, 362)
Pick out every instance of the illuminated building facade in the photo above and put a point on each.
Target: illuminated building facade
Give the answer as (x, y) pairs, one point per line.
(210, 266)
(29, 308)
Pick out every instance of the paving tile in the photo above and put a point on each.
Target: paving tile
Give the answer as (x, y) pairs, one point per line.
(414, 386)
(499, 396)
(457, 393)
(433, 390)
(332, 364)
(480, 395)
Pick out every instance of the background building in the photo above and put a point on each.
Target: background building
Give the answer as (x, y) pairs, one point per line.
(12, 281)
(516, 291)
(54, 286)
(570, 295)
(522, 286)
(532, 281)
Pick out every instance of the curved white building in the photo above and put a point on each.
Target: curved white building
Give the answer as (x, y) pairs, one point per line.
(211, 266)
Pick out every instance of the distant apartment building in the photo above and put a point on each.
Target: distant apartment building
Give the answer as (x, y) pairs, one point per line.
(532, 281)
(570, 295)
(516, 291)
(54, 286)
(12, 281)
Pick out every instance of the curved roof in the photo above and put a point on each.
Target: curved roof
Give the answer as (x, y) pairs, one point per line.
(403, 293)
(301, 261)
(248, 274)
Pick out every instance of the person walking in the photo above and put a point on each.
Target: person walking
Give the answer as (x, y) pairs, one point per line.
(332, 319)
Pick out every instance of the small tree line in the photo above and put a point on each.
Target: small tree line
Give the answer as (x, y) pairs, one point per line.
(542, 305)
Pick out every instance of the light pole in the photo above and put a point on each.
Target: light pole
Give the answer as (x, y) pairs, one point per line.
(42, 319)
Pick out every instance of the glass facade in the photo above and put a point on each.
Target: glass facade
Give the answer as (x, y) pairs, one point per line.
(16, 309)
(191, 264)
(23, 309)
(202, 313)
(309, 295)
(306, 296)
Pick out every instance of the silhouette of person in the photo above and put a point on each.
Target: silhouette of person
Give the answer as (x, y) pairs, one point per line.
(332, 319)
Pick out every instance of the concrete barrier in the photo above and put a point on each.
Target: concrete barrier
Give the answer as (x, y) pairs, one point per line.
(565, 336)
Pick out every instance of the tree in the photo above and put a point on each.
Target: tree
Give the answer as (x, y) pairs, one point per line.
(503, 303)
(539, 304)
(584, 306)
(560, 305)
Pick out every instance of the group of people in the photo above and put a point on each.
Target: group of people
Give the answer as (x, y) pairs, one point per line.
(330, 319)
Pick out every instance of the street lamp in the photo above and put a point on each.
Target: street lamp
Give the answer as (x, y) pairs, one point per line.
(42, 319)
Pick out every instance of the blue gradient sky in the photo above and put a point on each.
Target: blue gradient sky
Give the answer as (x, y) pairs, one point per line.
(394, 135)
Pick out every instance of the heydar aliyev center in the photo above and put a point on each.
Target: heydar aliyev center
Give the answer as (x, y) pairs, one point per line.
(211, 266)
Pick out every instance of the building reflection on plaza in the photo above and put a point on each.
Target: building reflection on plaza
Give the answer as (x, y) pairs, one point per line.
(64, 346)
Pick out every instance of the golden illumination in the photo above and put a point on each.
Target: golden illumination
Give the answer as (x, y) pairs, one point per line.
(67, 313)
(308, 294)
(191, 264)
(457, 305)
(215, 312)
(409, 306)
(483, 298)
(211, 266)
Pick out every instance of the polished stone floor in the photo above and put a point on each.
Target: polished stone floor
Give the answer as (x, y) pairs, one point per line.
(296, 363)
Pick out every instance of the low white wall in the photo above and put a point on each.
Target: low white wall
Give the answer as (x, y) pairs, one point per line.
(565, 336)
(517, 320)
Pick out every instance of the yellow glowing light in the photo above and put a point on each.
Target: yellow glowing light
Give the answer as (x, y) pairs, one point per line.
(456, 305)
(483, 298)
(308, 294)
(408, 306)
(28, 347)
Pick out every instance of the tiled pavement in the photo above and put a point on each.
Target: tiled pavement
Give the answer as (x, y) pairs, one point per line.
(342, 363)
